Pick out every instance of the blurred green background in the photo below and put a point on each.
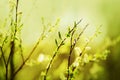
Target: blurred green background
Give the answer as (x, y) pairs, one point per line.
(94, 12)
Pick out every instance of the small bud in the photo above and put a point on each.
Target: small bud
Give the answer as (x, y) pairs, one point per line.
(78, 51)
(88, 48)
(41, 58)
(86, 59)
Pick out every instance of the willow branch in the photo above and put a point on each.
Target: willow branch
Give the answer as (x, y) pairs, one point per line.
(10, 58)
(69, 58)
(81, 54)
(55, 53)
(1, 48)
(72, 47)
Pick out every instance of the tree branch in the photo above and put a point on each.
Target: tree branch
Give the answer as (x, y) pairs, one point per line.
(72, 47)
(81, 54)
(55, 53)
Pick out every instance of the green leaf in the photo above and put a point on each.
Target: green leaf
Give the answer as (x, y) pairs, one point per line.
(63, 44)
(21, 26)
(68, 35)
(56, 42)
(16, 38)
(5, 40)
(99, 32)
(75, 25)
(59, 34)
(69, 29)
(57, 22)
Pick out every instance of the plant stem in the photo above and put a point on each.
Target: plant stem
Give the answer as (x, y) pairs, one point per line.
(10, 58)
(82, 52)
(36, 45)
(49, 65)
(4, 61)
(69, 58)
(55, 53)
(72, 47)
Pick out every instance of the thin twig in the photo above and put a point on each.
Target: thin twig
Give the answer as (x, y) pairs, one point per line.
(49, 65)
(10, 58)
(72, 47)
(30, 54)
(3, 59)
(5, 62)
(43, 35)
(55, 53)
(81, 54)
(3, 51)
(94, 35)
(21, 50)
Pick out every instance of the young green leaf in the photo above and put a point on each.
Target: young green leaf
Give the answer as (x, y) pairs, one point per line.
(68, 35)
(63, 44)
(75, 25)
(56, 42)
(59, 34)
(69, 29)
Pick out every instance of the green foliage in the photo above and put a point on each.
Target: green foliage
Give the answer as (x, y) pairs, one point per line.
(56, 42)
(13, 59)
(59, 34)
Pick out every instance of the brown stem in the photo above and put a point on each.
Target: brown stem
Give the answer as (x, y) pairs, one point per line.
(69, 58)
(82, 52)
(11, 56)
(72, 47)
(4, 61)
(34, 48)
(55, 53)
